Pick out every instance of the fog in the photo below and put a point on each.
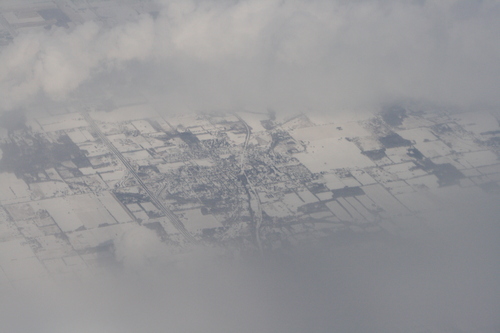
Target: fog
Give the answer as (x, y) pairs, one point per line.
(443, 279)
(293, 56)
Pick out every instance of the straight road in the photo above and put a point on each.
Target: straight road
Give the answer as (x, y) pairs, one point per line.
(173, 219)
(255, 204)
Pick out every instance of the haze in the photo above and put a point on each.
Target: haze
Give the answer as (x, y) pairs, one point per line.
(336, 58)
(298, 55)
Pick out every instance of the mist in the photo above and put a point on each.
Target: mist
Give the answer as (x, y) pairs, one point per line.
(336, 57)
(442, 279)
(294, 56)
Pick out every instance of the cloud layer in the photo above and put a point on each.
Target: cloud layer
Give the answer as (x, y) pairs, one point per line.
(300, 55)
(292, 55)
(443, 281)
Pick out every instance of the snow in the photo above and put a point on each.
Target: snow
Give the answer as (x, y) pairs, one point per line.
(293, 201)
(192, 120)
(13, 19)
(56, 265)
(331, 153)
(88, 171)
(349, 181)
(92, 238)
(53, 247)
(205, 136)
(122, 143)
(195, 221)
(236, 138)
(448, 159)
(307, 196)
(153, 141)
(481, 158)
(126, 113)
(470, 172)
(385, 200)
(51, 189)
(363, 177)
(24, 269)
(112, 176)
(405, 170)
(325, 195)
(141, 142)
(114, 207)
(276, 209)
(338, 211)
(14, 250)
(433, 149)
(62, 122)
(351, 129)
(495, 177)
(487, 170)
(253, 120)
(367, 202)
(478, 122)
(134, 156)
(360, 208)
(196, 130)
(53, 175)
(8, 231)
(350, 209)
(205, 162)
(143, 126)
(94, 149)
(141, 215)
(74, 261)
(368, 143)
(418, 135)
(71, 213)
(12, 188)
(429, 181)
(133, 207)
(418, 201)
(149, 207)
(167, 167)
(80, 136)
(382, 176)
(460, 145)
(398, 187)
(333, 182)
(343, 116)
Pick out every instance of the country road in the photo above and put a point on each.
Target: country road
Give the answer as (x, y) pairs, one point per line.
(171, 216)
(257, 205)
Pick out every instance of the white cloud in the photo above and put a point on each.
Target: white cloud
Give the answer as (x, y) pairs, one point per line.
(57, 62)
(298, 54)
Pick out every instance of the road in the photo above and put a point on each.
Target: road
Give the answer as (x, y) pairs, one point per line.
(173, 219)
(257, 206)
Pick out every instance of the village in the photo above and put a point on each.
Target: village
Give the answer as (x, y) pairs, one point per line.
(75, 181)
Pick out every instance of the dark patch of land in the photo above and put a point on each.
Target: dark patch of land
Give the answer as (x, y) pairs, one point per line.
(394, 115)
(394, 140)
(35, 154)
(56, 14)
(375, 155)
(13, 120)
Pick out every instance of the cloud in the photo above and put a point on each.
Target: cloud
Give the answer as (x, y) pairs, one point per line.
(443, 281)
(297, 55)
(293, 55)
(57, 62)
